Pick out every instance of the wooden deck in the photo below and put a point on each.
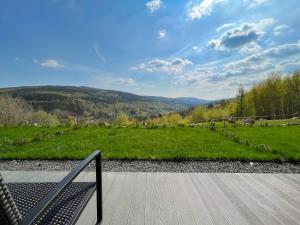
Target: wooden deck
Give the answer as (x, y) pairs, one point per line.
(187, 198)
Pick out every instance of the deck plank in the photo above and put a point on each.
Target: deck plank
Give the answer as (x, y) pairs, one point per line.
(182, 206)
(283, 211)
(89, 214)
(112, 199)
(152, 207)
(198, 208)
(280, 188)
(294, 182)
(124, 204)
(137, 210)
(167, 212)
(216, 213)
(248, 206)
(185, 198)
(232, 214)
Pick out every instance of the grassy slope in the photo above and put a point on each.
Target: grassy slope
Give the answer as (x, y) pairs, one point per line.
(285, 140)
(136, 143)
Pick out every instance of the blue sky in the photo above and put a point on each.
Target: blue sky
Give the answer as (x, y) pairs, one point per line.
(173, 48)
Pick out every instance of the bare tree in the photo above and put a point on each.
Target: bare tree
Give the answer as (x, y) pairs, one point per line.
(12, 110)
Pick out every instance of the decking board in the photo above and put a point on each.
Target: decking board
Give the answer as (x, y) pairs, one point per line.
(185, 198)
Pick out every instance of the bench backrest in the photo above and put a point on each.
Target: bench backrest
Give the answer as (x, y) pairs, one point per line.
(9, 213)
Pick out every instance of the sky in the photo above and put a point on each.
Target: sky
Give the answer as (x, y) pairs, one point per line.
(173, 48)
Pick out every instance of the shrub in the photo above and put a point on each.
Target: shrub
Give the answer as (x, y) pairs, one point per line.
(71, 121)
(121, 119)
(43, 119)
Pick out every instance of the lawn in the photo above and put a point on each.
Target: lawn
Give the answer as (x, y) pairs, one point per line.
(169, 143)
(284, 140)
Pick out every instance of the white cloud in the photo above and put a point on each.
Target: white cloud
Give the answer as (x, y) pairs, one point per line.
(98, 53)
(248, 69)
(281, 51)
(250, 48)
(162, 34)
(259, 2)
(264, 61)
(125, 81)
(216, 44)
(241, 36)
(213, 82)
(153, 5)
(169, 66)
(247, 66)
(225, 27)
(255, 3)
(201, 8)
(35, 60)
(222, 79)
(290, 61)
(200, 74)
(52, 63)
(265, 23)
(197, 48)
(281, 28)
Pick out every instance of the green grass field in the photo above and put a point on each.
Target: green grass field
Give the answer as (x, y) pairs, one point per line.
(283, 140)
(170, 143)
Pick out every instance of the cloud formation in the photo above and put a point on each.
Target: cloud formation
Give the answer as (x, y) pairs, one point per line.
(197, 48)
(225, 27)
(168, 66)
(281, 28)
(240, 36)
(247, 66)
(125, 81)
(51, 63)
(250, 48)
(281, 51)
(263, 61)
(98, 53)
(255, 3)
(246, 70)
(162, 34)
(153, 5)
(290, 61)
(201, 8)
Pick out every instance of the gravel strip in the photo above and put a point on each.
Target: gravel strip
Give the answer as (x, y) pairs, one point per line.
(157, 166)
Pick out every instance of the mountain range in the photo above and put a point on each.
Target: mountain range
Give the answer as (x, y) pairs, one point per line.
(98, 103)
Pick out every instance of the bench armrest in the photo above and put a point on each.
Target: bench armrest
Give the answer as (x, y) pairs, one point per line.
(51, 196)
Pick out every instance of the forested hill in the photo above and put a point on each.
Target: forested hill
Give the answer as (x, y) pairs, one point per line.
(97, 103)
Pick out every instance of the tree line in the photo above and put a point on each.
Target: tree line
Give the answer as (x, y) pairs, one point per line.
(276, 97)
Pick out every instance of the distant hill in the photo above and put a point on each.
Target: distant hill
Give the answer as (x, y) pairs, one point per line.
(98, 103)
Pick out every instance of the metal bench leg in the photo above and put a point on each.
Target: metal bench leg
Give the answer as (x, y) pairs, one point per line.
(99, 188)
